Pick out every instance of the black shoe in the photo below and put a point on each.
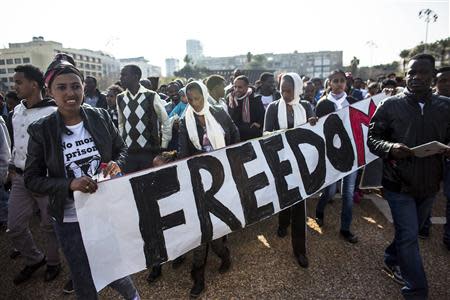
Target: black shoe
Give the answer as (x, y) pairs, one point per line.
(68, 287)
(154, 274)
(197, 288)
(177, 262)
(281, 232)
(394, 273)
(349, 237)
(424, 233)
(226, 264)
(28, 271)
(198, 275)
(52, 272)
(14, 254)
(302, 261)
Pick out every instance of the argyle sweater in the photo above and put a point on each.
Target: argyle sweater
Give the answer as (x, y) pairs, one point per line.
(141, 117)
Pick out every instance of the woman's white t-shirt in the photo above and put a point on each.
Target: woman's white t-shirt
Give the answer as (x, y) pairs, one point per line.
(81, 158)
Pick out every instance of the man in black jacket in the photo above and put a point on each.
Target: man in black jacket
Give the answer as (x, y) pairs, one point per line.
(92, 95)
(400, 123)
(267, 92)
(246, 111)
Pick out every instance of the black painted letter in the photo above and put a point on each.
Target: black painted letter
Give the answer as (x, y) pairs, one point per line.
(280, 170)
(147, 190)
(205, 200)
(246, 186)
(341, 158)
(314, 180)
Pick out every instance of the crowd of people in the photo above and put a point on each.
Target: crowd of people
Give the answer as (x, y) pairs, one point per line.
(58, 133)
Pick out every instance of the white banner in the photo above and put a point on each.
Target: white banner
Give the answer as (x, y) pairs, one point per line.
(158, 214)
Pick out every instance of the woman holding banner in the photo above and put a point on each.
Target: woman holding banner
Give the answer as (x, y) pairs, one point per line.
(205, 128)
(65, 151)
(290, 112)
(334, 100)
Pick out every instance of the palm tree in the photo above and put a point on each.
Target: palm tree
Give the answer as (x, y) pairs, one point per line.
(404, 54)
(354, 65)
(187, 60)
(249, 57)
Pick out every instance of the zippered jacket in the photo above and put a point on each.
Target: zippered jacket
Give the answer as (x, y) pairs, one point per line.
(406, 119)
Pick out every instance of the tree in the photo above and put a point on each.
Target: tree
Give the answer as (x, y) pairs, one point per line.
(438, 49)
(404, 54)
(444, 53)
(187, 60)
(258, 62)
(354, 65)
(249, 57)
(192, 71)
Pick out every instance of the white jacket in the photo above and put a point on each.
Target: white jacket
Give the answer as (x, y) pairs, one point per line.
(21, 119)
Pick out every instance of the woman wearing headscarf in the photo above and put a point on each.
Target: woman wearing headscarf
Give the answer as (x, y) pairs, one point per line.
(65, 150)
(334, 100)
(290, 112)
(205, 128)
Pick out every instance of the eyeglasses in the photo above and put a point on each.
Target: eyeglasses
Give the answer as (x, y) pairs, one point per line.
(339, 80)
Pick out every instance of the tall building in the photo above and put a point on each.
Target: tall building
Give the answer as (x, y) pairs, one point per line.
(172, 65)
(147, 69)
(194, 50)
(313, 64)
(40, 53)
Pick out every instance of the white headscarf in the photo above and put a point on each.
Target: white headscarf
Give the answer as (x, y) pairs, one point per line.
(299, 111)
(340, 102)
(214, 131)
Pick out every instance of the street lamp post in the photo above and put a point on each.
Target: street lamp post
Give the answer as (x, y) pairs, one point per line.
(428, 15)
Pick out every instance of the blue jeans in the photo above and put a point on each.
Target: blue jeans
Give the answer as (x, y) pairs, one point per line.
(447, 194)
(69, 236)
(347, 190)
(409, 214)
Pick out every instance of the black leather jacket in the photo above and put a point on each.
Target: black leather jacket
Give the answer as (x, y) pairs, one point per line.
(44, 170)
(400, 119)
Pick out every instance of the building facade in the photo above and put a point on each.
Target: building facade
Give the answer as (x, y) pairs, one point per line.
(40, 53)
(172, 65)
(147, 69)
(313, 64)
(194, 50)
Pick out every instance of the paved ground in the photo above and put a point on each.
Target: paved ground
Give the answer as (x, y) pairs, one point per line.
(264, 267)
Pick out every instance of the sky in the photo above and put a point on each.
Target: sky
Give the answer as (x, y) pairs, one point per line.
(159, 29)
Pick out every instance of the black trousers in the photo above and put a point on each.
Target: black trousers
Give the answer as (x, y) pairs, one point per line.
(201, 255)
(296, 216)
(138, 160)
